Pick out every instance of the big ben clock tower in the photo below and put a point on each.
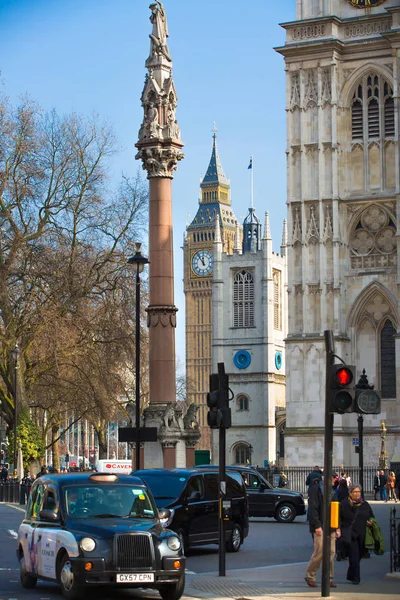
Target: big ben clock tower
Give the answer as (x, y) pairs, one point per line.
(198, 274)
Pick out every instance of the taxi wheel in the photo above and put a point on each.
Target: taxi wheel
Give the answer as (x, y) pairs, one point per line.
(234, 542)
(285, 513)
(27, 580)
(173, 591)
(69, 587)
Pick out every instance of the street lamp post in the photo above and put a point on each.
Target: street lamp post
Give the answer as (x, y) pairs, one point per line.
(139, 260)
(15, 354)
(383, 457)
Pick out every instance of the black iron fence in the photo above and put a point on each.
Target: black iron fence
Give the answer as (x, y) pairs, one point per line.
(394, 541)
(297, 476)
(14, 492)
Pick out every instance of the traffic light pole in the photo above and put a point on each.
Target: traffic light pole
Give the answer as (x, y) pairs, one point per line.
(222, 487)
(222, 495)
(328, 452)
(360, 421)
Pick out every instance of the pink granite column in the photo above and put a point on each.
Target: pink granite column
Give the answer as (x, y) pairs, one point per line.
(161, 310)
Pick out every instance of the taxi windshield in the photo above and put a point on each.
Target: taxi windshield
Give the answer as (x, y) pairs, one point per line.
(106, 501)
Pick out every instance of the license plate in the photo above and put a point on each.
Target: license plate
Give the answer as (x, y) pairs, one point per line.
(135, 577)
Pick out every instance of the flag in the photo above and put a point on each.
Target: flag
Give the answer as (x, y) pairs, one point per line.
(250, 163)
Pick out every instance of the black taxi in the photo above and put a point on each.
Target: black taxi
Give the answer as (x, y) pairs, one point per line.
(84, 530)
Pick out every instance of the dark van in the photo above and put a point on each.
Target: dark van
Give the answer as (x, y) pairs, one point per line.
(192, 497)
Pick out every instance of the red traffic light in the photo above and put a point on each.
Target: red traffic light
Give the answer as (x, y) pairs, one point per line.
(344, 376)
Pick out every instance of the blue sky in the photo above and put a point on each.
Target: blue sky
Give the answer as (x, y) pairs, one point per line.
(88, 55)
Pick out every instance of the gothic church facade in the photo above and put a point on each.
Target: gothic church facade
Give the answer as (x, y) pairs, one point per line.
(342, 63)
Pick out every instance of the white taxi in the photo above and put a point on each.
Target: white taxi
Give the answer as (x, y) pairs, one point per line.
(89, 529)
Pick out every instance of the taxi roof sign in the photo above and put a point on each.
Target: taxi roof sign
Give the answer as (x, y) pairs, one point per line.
(107, 477)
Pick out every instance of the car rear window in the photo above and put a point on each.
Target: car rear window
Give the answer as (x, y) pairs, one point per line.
(166, 487)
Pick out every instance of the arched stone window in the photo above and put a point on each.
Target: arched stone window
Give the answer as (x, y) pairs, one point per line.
(388, 364)
(372, 114)
(243, 299)
(374, 319)
(372, 134)
(242, 402)
(373, 240)
(242, 454)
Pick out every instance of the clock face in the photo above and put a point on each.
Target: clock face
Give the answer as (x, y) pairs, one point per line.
(202, 263)
(365, 3)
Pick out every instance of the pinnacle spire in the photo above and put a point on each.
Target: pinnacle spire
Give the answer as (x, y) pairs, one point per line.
(215, 173)
(237, 247)
(217, 230)
(284, 233)
(267, 229)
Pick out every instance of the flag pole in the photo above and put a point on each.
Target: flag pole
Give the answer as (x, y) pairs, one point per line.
(252, 184)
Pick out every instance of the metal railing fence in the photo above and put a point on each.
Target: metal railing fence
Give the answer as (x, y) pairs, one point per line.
(14, 492)
(297, 477)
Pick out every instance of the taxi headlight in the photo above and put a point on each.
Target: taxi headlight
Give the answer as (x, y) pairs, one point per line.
(88, 544)
(174, 543)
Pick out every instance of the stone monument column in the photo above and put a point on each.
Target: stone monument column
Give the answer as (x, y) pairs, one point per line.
(159, 148)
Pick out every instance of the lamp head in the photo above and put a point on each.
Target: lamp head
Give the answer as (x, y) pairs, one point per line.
(138, 259)
(15, 352)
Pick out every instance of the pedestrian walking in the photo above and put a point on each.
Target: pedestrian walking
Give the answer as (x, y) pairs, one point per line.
(315, 510)
(316, 473)
(391, 487)
(355, 517)
(382, 486)
(376, 485)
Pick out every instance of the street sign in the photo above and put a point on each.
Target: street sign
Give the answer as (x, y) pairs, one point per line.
(129, 434)
(368, 402)
(355, 441)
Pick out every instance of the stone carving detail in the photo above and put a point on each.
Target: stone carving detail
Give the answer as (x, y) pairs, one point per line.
(295, 91)
(163, 315)
(158, 161)
(326, 92)
(189, 420)
(296, 235)
(367, 29)
(378, 308)
(314, 289)
(310, 88)
(168, 418)
(312, 235)
(328, 229)
(298, 289)
(373, 241)
(309, 32)
(173, 130)
(329, 287)
(159, 34)
(159, 100)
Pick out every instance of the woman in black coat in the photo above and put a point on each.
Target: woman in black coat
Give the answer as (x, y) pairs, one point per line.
(355, 516)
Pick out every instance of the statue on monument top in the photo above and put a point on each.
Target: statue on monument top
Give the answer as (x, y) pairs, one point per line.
(160, 30)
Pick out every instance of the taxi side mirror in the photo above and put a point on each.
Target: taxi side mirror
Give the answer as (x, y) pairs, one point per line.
(262, 487)
(164, 513)
(48, 515)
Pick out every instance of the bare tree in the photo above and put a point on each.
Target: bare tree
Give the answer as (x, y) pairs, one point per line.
(65, 237)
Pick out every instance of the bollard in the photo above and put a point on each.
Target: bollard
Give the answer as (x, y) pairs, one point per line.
(22, 493)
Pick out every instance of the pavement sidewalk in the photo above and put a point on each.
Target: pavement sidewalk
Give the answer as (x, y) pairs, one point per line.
(287, 581)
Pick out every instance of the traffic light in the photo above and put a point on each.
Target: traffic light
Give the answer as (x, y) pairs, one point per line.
(368, 402)
(341, 388)
(219, 415)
